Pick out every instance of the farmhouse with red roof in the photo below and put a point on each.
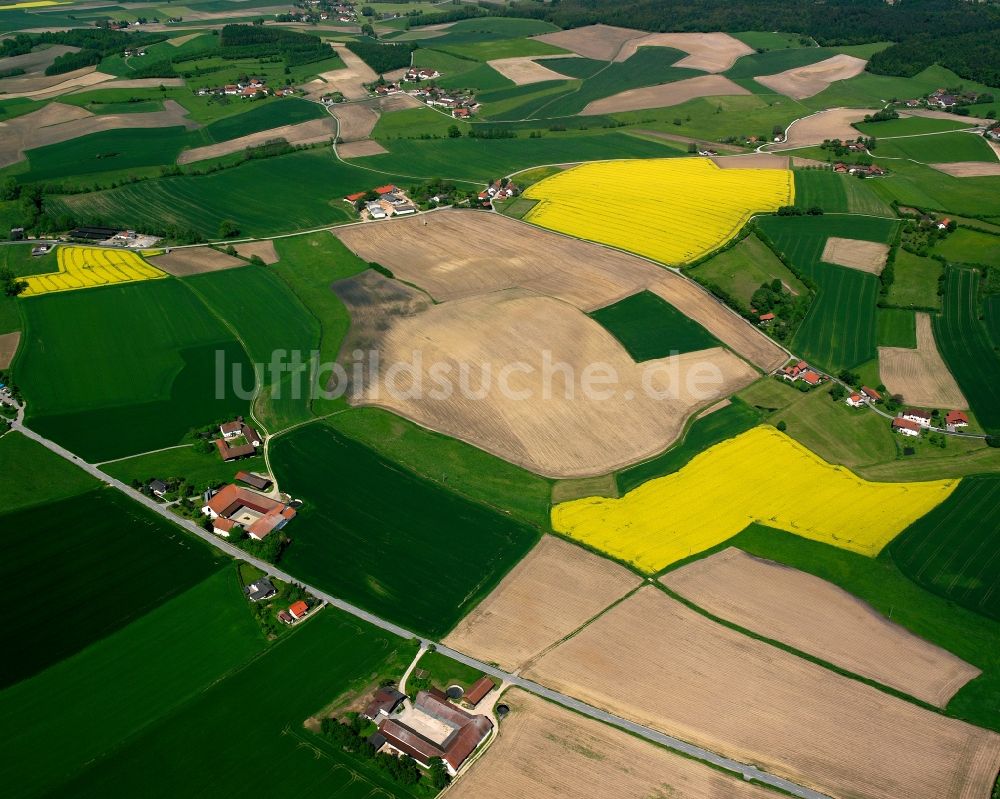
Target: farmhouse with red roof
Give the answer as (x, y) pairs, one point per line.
(906, 427)
(234, 506)
(855, 400)
(956, 419)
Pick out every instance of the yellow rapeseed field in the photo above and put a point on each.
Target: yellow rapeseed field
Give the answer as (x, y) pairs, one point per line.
(671, 209)
(85, 267)
(759, 476)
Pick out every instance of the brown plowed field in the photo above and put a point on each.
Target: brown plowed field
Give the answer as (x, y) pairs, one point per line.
(834, 123)
(40, 86)
(556, 589)
(544, 751)
(194, 261)
(356, 121)
(454, 254)
(655, 661)
(820, 619)
(349, 81)
(359, 149)
(969, 169)
(920, 375)
(600, 42)
(865, 256)
(666, 94)
(8, 348)
(262, 249)
(525, 69)
(311, 132)
(751, 161)
(710, 52)
(541, 420)
(801, 82)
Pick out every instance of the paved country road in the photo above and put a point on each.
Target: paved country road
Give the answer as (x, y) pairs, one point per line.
(748, 772)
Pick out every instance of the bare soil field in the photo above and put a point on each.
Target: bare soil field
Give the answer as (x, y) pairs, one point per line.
(969, 169)
(35, 61)
(359, 149)
(820, 619)
(393, 102)
(137, 83)
(194, 261)
(834, 123)
(526, 69)
(551, 593)
(348, 81)
(600, 42)
(666, 94)
(937, 114)
(57, 122)
(581, 273)
(8, 348)
(356, 121)
(801, 82)
(751, 161)
(544, 751)
(177, 42)
(713, 408)
(496, 352)
(44, 87)
(865, 256)
(311, 132)
(652, 659)
(711, 52)
(262, 249)
(920, 375)
(374, 302)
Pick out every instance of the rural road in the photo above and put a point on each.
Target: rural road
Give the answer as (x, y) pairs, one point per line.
(748, 772)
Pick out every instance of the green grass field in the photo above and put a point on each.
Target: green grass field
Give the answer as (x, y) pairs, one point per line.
(496, 48)
(413, 123)
(926, 188)
(911, 126)
(741, 269)
(377, 535)
(970, 247)
(839, 329)
(837, 193)
(128, 682)
(42, 476)
(954, 550)
(774, 61)
(966, 346)
(459, 467)
(733, 419)
(286, 335)
(199, 468)
(113, 371)
(916, 281)
(767, 40)
(649, 327)
(97, 561)
(939, 148)
(896, 328)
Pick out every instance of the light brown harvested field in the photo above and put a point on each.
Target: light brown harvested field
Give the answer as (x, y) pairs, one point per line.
(702, 143)
(523, 410)
(711, 52)
(834, 123)
(600, 42)
(969, 169)
(194, 261)
(262, 249)
(349, 81)
(138, 83)
(751, 161)
(359, 149)
(664, 95)
(544, 751)
(356, 121)
(45, 87)
(57, 123)
(820, 619)
(865, 256)
(801, 82)
(653, 660)
(937, 114)
(177, 42)
(525, 70)
(395, 102)
(713, 408)
(311, 132)
(8, 348)
(920, 375)
(453, 254)
(556, 589)
(33, 62)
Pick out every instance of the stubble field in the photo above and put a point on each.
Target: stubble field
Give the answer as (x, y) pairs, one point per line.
(920, 374)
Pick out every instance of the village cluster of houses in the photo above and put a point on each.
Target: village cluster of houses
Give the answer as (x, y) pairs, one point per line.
(943, 99)
(250, 89)
(801, 371)
(134, 52)
(392, 201)
(499, 190)
(869, 171)
(432, 726)
(912, 422)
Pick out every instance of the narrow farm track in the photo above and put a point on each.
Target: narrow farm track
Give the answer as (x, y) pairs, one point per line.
(747, 772)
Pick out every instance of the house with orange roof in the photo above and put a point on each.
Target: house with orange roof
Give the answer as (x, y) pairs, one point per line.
(855, 400)
(955, 419)
(234, 506)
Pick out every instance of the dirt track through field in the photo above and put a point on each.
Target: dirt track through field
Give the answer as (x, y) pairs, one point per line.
(666, 94)
(194, 261)
(544, 751)
(526, 69)
(653, 660)
(8, 348)
(834, 123)
(802, 82)
(455, 254)
(311, 132)
(820, 619)
(548, 595)
(865, 256)
(920, 375)
(710, 52)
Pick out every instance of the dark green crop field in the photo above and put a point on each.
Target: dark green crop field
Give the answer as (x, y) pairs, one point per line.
(839, 329)
(289, 111)
(60, 722)
(896, 328)
(649, 327)
(378, 535)
(98, 562)
(966, 347)
(42, 476)
(243, 736)
(992, 317)
(774, 61)
(938, 148)
(822, 188)
(113, 371)
(954, 550)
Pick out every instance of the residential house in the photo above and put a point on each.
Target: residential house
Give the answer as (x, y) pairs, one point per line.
(870, 394)
(229, 445)
(794, 371)
(461, 113)
(922, 418)
(415, 75)
(765, 318)
(943, 224)
(812, 378)
(231, 88)
(158, 487)
(298, 610)
(956, 419)
(375, 210)
(258, 514)
(906, 427)
(384, 701)
(855, 400)
(260, 590)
